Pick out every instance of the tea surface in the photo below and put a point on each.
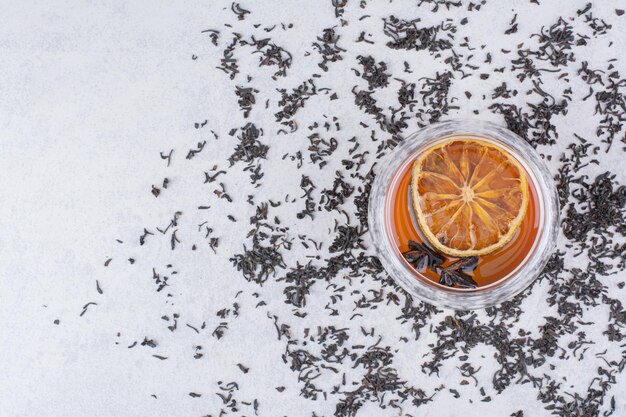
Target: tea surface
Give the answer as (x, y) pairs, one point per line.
(492, 267)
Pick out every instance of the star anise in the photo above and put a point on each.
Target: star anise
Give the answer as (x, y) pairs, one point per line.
(455, 274)
(420, 256)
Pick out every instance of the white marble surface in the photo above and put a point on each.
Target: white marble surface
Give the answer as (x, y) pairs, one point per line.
(90, 93)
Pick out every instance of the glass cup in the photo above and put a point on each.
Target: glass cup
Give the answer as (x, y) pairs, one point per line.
(382, 229)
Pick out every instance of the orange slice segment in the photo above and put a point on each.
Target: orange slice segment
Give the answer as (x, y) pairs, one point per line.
(469, 196)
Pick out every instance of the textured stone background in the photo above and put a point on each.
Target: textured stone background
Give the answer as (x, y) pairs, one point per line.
(93, 92)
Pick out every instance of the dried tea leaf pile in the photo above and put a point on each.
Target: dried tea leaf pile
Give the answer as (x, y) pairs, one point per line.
(281, 169)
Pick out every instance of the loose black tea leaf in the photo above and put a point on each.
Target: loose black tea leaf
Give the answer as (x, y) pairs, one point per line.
(167, 157)
(246, 99)
(374, 74)
(148, 342)
(406, 34)
(327, 47)
(239, 11)
(86, 306)
(193, 152)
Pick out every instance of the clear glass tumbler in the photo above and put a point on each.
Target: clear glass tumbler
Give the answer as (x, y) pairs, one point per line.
(383, 234)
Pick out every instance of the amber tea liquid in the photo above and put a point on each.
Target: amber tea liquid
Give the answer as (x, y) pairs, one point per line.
(491, 268)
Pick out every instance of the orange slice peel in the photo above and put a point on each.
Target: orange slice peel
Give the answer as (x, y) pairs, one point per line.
(469, 196)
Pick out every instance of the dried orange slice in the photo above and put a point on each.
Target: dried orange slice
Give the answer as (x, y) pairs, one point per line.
(469, 196)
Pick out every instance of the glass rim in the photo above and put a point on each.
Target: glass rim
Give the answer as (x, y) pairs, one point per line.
(426, 290)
